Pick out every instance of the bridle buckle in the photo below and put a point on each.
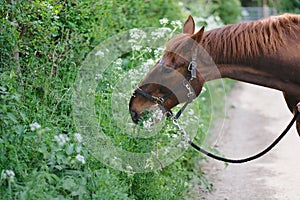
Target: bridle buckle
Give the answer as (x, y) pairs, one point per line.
(192, 69)
(159, 100)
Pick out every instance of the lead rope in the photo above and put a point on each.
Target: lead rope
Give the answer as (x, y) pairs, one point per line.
(191, 95)
(229, 160)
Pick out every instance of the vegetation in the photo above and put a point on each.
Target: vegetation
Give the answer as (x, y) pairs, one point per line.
(42, 156)
(292, 6)
(228, 11)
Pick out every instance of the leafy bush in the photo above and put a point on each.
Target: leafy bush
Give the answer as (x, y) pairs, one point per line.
(229, 11)
(43, 43)
(292, 6)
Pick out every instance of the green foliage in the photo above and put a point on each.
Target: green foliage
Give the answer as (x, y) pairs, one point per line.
(42, 45)
(228, 10)
(292, 6)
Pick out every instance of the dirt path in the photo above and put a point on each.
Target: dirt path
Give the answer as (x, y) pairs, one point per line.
(256, 115)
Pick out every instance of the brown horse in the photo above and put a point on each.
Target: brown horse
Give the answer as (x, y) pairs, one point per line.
(264, 52)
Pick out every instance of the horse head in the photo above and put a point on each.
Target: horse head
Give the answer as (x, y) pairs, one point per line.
(173, 79)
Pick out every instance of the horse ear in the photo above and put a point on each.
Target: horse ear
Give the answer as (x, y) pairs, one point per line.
(189, 26)
(198, 36)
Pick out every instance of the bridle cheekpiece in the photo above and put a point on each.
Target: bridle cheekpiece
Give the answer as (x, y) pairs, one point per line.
(192, 74)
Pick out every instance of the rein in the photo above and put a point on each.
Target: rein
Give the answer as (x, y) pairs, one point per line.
(191, 96)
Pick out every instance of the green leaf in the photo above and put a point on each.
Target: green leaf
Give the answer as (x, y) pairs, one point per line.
(19, 129)
(24, 117)
(69, 184)
(3, 88)
(70, 149)
(12, 117)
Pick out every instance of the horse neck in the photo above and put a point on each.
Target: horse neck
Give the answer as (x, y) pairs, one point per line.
(226, 63)
(246, 66)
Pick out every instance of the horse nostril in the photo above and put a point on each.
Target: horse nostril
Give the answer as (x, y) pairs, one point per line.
(134, 116)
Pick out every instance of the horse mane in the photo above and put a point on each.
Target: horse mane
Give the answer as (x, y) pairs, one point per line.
(240, 42)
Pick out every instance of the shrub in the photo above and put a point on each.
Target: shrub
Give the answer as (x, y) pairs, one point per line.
(292, 6)
(43, 43)
(229, 11)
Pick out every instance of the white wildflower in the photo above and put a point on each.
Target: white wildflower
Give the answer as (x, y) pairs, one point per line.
(129, 168)
(100, 54)
(78, 137)
(180, 3)
(137, 34)
(213, 22)
(98, 76)
(61, 139)
(146, 65)
(158, 115)
(118, 62)
(176, 24)
(91, 91)
(163, 21)
(148, 49)
(132, 41)
(49, 6)
(80, 158)
(191, 112)
(136, 47)
(158, 52)
(34, 126)
(160, 33)
(148, 123)
(8, 174)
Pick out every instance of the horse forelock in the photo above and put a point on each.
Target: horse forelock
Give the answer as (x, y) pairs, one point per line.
(180, 44)
(235, 43)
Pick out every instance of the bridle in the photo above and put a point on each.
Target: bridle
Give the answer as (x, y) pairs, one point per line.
(192, 74)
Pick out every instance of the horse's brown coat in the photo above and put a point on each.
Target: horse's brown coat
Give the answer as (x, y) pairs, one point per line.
(264, 52)
(244, 41)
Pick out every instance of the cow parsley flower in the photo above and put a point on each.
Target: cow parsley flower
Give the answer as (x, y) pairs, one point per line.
(132, 41)
(34, 126)
(80, 158)
(8, 174)
(163, 21)
(148, 123)
(176, 24)
(118, 62)
(158, 115)
(98, 76)
(61, 139)
(137, 34)
(136, 47)
(191, 112)
(100, 54)
(158, 52)
(160, 33)
(147, 65)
